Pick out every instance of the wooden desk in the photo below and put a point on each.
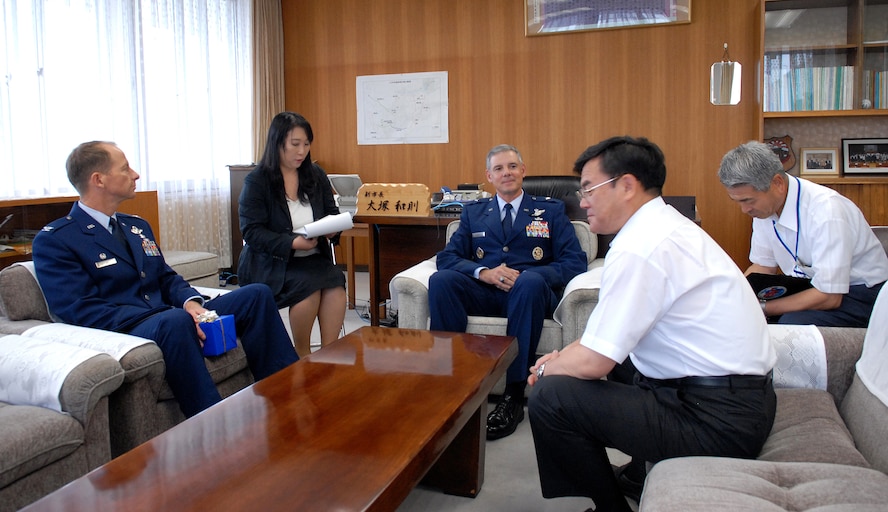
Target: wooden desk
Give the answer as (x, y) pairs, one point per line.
(350, 427)
(348, 240)
(397, 243)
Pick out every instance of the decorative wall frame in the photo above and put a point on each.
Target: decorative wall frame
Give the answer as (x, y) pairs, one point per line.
(865, 156)
(782, 147)
(545, 17)
(819, 162)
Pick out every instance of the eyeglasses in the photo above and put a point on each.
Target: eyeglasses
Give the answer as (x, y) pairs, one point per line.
(587, 193)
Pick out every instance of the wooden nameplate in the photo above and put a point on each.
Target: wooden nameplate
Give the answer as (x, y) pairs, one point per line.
(394, 199)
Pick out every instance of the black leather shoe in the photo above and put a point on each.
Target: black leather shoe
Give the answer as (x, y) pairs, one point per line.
(505, 417)
(629, 487)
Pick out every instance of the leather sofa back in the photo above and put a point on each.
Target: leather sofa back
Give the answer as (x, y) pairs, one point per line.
(558, 187)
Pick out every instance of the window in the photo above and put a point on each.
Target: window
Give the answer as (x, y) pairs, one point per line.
(167, 80)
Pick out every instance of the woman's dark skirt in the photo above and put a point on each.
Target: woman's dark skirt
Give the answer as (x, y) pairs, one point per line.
(307, 275)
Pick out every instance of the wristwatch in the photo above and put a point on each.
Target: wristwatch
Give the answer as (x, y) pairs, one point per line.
(762, 303)
(540, 369)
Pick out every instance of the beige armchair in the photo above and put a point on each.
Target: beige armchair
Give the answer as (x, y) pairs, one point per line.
(410, 295)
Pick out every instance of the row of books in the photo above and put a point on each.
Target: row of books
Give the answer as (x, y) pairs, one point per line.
(875, 88)
(790, 89)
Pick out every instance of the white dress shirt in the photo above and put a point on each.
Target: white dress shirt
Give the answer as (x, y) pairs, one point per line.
(674, 300)
(836, 246)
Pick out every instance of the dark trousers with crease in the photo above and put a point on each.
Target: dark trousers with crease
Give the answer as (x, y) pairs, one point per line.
(454, 295)
(854, 311)
(574, 420)
(259, 327)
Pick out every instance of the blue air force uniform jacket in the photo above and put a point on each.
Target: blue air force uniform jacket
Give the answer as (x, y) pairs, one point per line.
(90, 279)
(542, 241)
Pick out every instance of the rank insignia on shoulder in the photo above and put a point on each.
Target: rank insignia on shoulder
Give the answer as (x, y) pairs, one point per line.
(47, 228)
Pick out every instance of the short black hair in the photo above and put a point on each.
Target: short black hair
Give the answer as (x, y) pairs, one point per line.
(628, 155)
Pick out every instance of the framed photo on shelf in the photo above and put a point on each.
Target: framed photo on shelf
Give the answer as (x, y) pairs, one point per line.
(543, 17)
(865, 156)
(819, 162)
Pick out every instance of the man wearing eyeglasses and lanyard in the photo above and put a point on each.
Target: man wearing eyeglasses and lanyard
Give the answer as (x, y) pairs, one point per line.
(805, 231)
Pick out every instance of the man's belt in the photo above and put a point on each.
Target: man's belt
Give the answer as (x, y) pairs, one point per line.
(724, 381)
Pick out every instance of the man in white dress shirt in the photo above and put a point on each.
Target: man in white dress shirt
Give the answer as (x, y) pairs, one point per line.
(810, 233)
(678, 311)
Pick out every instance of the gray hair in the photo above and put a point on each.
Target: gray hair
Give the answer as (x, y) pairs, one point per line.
(753, 163)
(502, 148)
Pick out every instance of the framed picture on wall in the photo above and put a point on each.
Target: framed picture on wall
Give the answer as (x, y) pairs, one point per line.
(819, 162)
(559, 16)
(865, 156)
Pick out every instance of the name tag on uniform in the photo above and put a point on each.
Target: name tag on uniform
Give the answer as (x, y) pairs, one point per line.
(106, 263)
(479, 234)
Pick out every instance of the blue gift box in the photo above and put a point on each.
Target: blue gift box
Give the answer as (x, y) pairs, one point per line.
(221, 336)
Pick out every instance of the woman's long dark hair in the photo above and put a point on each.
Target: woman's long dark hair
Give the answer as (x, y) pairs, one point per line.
(270, 163)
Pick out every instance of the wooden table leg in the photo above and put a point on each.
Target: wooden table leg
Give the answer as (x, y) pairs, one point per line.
(373, 274)
(460, 469)
(350, 269)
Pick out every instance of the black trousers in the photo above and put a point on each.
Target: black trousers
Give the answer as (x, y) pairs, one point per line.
(574, 420)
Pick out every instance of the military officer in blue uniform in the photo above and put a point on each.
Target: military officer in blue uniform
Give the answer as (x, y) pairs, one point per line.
(512, 256)
(103, 269)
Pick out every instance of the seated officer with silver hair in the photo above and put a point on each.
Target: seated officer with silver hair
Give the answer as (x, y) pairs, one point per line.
(512, 256)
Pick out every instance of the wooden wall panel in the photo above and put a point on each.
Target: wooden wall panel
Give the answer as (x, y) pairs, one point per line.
(870, 197)
(551, 96)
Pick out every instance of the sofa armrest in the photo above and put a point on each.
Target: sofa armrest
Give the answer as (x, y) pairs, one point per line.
(88, 383)
(576, 307)
(579, 299)
(86, 376)
(844, 346)
(410, 294)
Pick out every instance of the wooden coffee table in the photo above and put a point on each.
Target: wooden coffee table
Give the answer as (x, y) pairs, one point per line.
(354, 426)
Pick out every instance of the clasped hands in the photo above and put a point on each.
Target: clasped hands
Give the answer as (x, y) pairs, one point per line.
(533, 377)
(502, 277)
(300, 243)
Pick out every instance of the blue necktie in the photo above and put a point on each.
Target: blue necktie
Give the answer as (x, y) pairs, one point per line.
(507, 221)
(117, 232)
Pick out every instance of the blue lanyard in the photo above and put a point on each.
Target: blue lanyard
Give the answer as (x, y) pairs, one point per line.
(795, 256)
